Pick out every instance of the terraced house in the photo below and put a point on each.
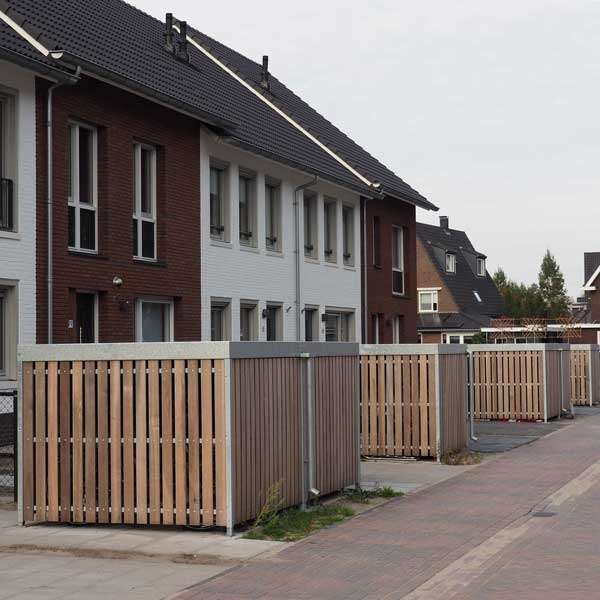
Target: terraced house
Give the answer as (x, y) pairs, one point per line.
(184, 193)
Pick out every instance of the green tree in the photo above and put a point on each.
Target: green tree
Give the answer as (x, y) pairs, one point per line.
(520, 300)
(552, 289)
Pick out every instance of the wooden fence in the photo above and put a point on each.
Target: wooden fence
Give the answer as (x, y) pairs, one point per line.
(413, 400)
(526, 382)
(184, 434)
(585, 374)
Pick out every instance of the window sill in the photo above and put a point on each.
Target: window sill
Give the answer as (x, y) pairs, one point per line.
(252, 249)
(221, 244)
(397, 295)
(350, 267)
(330, 263)
(151, 262)
(11, 235)
(87, 254)
(312, 260)
(274, 253)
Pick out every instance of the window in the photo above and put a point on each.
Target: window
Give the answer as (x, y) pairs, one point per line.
(375, 328)
(310, 225)
(477, 296)
(144, 201)
(311, 325)
(7, 166)
(450, 262)
(272, 315)
(338, 326)
(398, 260)
(247, 210)
(218, 212)
(248, 319)
(87, 317)
(330, 224)
(397, 329)
(83, 224)
(2, 333)
(219, 320)
(376, 242)
(428, 301)
(348, 235)
(154, 321)
(481, 267)
(273, 216)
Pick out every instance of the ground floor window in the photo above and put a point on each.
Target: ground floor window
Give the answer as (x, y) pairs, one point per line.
(311, 324)
(274, 324)
(338, 326)
(375, 328)
(2, 334)
(457, 338)
(86, 321)
(154, 320)
(219, 320)
(397, 329)
(248, 322)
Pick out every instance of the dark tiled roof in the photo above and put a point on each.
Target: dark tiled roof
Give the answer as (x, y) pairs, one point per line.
(127, 45)
(591, 261)
(465, 281)
(464, 321)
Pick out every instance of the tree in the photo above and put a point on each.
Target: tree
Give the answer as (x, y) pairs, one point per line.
(552, 288)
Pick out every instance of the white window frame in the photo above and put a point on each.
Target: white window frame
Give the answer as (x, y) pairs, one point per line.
(348, 236)
(74, 200)
(252, 307)
(96, 315)
(398, 248)
(247, 238)
(396, 329)
(170, 321)
(139, 216)
(278, 321)
(434, 300)
(273, 214)
(310, 216)
(224, 306)
(481, 266)
(375, 321)
(8, 159)
(345, 318)
(330, 217)
(9, 334)
(220, 232)
(450, 262)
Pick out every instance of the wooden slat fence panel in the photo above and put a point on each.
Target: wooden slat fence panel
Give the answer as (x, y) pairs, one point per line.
(454, 402)
(580, 377)
(398, 412)
(100, 437)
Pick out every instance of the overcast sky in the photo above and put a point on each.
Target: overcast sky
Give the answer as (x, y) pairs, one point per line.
(490, 109)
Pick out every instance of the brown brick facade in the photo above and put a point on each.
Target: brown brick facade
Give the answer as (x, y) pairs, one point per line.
(121, 119)
(429, 277)
(379, 297)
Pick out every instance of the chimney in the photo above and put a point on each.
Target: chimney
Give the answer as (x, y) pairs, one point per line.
(182, 52)
(169, 32)
(444, 223)
(264, 77)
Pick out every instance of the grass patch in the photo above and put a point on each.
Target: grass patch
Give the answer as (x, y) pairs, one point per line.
(462, 457)
(294, 524)
(361, 496)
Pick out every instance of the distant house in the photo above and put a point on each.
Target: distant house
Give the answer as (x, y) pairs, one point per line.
(587, 312)
(456, 295)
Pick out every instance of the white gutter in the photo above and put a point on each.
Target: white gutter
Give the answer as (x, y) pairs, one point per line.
(272, 106)
(16, 27)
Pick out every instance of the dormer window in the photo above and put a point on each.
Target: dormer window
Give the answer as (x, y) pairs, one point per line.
(450, 262)
(481, 267)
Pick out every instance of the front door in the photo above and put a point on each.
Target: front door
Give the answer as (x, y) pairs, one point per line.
(86, 318)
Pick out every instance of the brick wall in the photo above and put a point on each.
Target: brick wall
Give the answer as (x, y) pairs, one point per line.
(429, 277)
(380, 299)
(121, 119)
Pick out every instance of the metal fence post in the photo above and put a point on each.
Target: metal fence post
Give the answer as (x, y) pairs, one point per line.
(545, 384)
(15, 446)
(591, 387)
(303, 420)
(358, 420)
(438, 416)
(229, 447)
(471, 387)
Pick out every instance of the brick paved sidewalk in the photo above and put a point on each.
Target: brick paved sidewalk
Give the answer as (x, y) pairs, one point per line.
(396, 548)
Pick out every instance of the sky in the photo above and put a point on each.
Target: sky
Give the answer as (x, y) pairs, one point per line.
(489, 109)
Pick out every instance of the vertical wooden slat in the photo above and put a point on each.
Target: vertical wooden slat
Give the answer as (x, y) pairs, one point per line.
(28, 411)
(180, 445)
(116, 500)
(207, 443)
(424, 441)
(154, 481)
(397, 406)
(220, 447)
(128, 448)
(193, 414)
(65, 441)
(141, 448)
(53, 502)
(77, 395)
(432, 405)
(414, 405)
(103, 436)
(90, 441)
(167, 440)
(40, 441)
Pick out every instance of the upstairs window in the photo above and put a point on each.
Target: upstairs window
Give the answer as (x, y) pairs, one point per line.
(273, 216)
(247, 210)
(481, 267)
(348, 233)
(310, 225)
(218, 209)
(8, 209)
(398, 261)
(450, 262)
(144, 201)
(428, 301)
(330, 224)
(83, 168)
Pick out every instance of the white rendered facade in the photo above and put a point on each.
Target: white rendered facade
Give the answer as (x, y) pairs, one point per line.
(17, 237)
(237, 276)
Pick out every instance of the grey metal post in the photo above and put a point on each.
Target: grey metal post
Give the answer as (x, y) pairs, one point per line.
(19, 472)
(438, 419)
(590, 376)
(562, 391)
(471, 386)
(545, 385)
(358, 422)
(310, 402)
(229, 449)
(303, 420)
